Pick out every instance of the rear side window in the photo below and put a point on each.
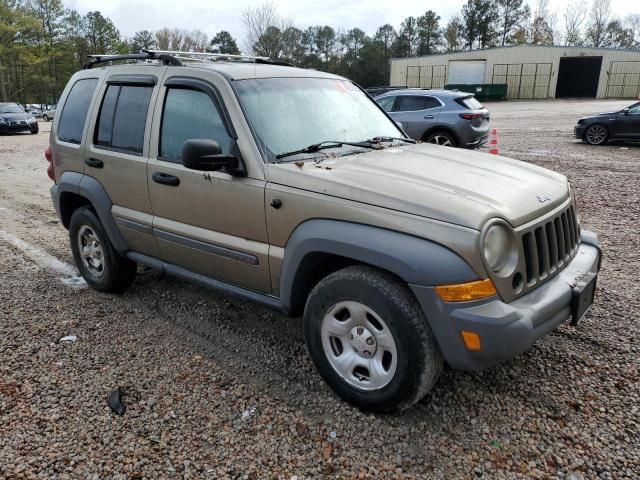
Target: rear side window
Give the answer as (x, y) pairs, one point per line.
(190, 114)
(122, 118)
(74, 113)
(409, 103)
(386, 103)
(469, 102)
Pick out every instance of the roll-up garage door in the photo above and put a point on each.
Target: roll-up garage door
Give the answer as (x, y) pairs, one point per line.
(466, 72)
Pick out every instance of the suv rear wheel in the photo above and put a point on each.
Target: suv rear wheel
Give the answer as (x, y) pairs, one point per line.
(441, 138)
(370, 341)
(98, 262)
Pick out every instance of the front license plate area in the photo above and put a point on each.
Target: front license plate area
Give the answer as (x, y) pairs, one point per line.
(583, 294)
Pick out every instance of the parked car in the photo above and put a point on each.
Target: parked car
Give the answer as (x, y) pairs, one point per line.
(49, 113)
(598, 129)
(34, 110)
(293, 189)
(13, 118)
(377, 91)
(443, 117)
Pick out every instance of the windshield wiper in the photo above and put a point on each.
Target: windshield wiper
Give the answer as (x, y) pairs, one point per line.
(390, 139)
(315, 147)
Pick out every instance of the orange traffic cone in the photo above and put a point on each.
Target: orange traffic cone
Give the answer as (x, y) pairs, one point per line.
(493, 142)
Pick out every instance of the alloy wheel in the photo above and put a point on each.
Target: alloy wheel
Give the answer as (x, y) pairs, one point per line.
(91, 251)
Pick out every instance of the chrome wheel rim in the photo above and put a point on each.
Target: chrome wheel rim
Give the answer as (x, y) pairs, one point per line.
(91, 252)
(359, 345)
(596, 134)
(440, 140)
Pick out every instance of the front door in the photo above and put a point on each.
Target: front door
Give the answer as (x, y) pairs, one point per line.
(211, 223)
(416, 113)
(628, 123)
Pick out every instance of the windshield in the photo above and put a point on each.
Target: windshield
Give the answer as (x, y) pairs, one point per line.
(288, 114)
(11, 109)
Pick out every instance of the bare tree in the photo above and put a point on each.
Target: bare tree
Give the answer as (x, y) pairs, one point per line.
(600, 14)
(574, 17)
(632, 22)
(259, 24)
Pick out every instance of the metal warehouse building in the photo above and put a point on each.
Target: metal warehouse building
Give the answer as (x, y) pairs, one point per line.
(529, 71)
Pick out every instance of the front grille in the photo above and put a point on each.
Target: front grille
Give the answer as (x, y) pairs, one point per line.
(547, 247)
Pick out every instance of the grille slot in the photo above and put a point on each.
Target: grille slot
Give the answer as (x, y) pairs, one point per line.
(547, 247)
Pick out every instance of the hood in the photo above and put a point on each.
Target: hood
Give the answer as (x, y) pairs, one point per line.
(12, 117)
(449, 184)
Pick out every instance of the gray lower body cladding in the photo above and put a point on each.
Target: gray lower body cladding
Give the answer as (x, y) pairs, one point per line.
(506, 329)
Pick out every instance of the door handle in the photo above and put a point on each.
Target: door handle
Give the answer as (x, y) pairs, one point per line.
(166, 179)
(94, 162)
(429, 117)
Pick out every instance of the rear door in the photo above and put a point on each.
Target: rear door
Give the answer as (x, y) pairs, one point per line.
(118, 150)
(416, 113)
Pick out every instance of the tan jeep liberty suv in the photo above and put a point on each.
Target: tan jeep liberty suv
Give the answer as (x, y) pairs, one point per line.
(293, 189)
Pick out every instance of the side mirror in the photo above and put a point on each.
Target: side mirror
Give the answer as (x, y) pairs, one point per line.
(206, 155)
(625, 111)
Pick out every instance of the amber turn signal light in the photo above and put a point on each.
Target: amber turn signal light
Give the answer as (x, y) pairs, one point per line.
(471, 340)
(463, 292)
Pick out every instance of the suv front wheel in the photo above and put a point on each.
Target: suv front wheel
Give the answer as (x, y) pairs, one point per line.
(100, 265)
(370, 340)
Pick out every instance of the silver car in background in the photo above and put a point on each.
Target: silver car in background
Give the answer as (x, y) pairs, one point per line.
(49, 113)
(444, 117)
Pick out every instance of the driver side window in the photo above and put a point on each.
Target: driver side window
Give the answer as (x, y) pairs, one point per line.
(189, 114)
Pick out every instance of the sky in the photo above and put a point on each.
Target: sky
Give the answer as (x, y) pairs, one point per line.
(130, 16)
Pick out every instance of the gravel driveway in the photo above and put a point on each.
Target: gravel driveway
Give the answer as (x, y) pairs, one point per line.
(218, 388)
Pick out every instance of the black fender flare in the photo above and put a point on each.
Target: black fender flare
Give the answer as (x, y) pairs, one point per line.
(413, 259)
(91, 189)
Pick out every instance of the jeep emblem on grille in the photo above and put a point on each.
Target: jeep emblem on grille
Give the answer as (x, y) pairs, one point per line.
(544, 198)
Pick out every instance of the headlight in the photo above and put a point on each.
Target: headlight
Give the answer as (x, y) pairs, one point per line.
(500, 250)
(31, 120)
(2, 120)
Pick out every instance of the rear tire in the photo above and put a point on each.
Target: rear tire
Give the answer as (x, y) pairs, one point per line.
(100, 265)
(45, 118)
(370, 340)
(442, 138)
(596, 134)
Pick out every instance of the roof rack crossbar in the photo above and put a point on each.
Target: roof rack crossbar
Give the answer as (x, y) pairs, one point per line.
(146, 55)
(213, 57)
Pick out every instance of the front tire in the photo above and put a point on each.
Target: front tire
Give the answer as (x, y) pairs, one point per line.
(45, 118)
(596, 134)
(100, 265)
(370, 340)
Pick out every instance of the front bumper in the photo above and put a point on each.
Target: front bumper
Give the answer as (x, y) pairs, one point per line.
(16, 128)
(507, 329)
(578, 131)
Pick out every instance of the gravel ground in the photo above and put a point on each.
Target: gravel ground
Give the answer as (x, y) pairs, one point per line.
(218, 388)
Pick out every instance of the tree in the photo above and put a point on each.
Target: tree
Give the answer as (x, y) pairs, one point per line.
(385, 36)
(101, 34)
(574, 17)
(261, 23)
(429, 33)
(353, 40)
(478, 20)
(142, 40)
(512, 14)
(293, 49)
(541, 32)
(325, 42)
(632, 22)
(407, 40)
(600, 13)
(223, 42)
(617, 36)
(453, 35)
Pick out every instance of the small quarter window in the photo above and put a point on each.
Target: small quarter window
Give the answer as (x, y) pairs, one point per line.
(190, 114)
(74, 113)
(386, 103)
(122, 119)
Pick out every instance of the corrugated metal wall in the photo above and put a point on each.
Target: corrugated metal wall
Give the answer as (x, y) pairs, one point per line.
(530, 71)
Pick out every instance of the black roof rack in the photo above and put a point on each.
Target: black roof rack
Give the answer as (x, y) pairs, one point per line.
(146, 55)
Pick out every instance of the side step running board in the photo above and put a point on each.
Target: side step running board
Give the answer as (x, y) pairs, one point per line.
(268, 301)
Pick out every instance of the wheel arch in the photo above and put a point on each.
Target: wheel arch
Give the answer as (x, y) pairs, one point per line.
(75, 190)
(319, 247)
(441, 128)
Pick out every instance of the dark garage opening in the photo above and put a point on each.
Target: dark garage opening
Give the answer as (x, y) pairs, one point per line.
(578, 77)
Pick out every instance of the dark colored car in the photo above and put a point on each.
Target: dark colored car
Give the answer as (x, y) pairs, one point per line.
(444, 117)
(599, 129)
(13, 118)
